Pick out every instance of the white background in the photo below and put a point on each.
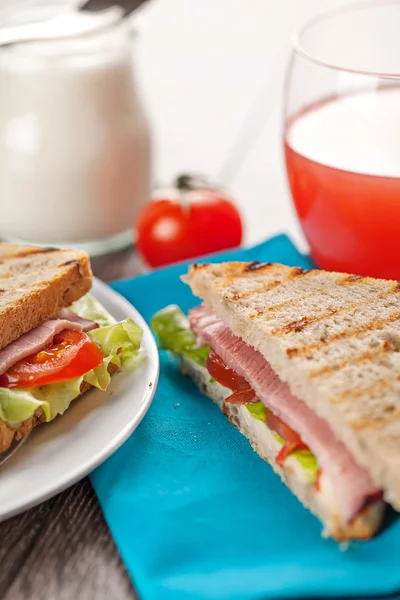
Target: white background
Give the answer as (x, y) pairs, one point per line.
(211, 74)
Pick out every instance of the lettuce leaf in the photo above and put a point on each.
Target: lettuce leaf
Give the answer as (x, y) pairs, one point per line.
(257, 409)
(173, 331)
(309, 463)
(90, 308)
(18, 405)
(120, 344)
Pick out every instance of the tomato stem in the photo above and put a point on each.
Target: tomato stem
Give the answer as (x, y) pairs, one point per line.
(191, 182)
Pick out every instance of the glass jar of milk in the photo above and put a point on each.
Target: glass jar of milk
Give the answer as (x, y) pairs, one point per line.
(74, 142)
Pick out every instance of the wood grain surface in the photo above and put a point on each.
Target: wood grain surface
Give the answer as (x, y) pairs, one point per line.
(62, 549)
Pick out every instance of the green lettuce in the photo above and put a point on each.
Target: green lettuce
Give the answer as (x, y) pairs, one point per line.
(119, 343)
(173, 331)
(305, 458)
(90, 308)
(309, 463)
(18, 405)
(257, 409)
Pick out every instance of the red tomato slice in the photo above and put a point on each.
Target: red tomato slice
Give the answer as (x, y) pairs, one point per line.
(287, 449)
(246, 396)
(225, 376)
(71, 355)
(317, 484)
(277, 425)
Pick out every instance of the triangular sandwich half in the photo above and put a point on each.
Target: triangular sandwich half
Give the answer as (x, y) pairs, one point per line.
(56, 340)
(306, 364)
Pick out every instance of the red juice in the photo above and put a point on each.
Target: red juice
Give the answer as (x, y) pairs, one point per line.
(343, 165)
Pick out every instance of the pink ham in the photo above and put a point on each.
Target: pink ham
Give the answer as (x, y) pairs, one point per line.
(351, 482)
(86, 324)
(33, 341)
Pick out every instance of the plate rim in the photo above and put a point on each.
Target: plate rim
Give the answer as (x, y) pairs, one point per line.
(118, 440)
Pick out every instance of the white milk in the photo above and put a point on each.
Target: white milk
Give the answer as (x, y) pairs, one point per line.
(358, 133)
(74, 142)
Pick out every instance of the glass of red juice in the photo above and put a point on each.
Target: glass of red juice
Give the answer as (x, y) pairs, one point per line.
(342, 137)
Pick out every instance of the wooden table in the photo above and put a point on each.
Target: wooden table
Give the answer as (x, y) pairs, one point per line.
(62, 549)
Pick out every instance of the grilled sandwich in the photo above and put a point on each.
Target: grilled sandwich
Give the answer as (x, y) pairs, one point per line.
(306, 364)
(56, 341)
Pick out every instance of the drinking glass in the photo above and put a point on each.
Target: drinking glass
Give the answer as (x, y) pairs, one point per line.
(342, 137)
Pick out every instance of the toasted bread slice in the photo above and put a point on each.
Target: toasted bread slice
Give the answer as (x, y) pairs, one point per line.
(36, 283)
(334, 337)
(321, 504)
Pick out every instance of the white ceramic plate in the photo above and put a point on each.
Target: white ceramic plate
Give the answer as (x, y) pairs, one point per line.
(59, 453)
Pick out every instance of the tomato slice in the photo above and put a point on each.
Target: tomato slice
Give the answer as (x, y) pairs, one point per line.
(225, 376)
(71, 354)
(287, 449)
(246, 396)
(317, 484)
(285, 432)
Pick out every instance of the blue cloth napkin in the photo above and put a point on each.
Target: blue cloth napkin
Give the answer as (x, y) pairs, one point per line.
(196, 514)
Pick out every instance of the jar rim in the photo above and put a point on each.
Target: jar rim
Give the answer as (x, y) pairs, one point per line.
(62, 47)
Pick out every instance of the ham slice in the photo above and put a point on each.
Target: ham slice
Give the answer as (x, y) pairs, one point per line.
(33, 341)
(86, 324)
(352, 483)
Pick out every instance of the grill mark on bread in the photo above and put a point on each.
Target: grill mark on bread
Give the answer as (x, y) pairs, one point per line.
(32, 251)
(257, 266)
(266, 286)
(376, 386)
(348, 333)
(303, 322)
(71, 262)
(288, 302)
(392, 414)
(300, 271)
(351, 278)
(372, 354)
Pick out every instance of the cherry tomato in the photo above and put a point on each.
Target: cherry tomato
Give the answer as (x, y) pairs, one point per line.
(71, 355)
(192, 221)
(225, 376)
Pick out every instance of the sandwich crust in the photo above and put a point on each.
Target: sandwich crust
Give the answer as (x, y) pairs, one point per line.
(36, 283)
(333, 337)
(364, 526)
